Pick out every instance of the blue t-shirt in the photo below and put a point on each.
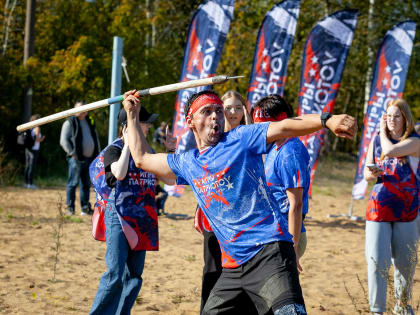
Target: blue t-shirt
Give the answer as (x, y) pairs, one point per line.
(229, 183)
(287, 166)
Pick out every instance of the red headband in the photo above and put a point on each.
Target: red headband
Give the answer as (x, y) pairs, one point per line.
(202, 100)
(262, 116)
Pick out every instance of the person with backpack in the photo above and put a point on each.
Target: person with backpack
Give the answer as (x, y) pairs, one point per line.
(32, 141)
(79, 139)
(131, 223)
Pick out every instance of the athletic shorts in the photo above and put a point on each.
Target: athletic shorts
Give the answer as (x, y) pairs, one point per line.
(270, 280)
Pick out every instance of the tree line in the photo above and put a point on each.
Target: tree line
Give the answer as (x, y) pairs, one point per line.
(73, 55)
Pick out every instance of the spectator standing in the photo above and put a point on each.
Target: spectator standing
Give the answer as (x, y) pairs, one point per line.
(391, 229)
(31, 154)
(159, 135)
(80, 141)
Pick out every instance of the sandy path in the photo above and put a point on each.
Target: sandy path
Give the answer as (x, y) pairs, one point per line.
(172, 276)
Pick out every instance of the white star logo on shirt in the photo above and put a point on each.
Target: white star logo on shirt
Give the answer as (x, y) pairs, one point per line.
(195, 62)
(384, 81)
(388, 69)
(314, 59)
(229, 186)
(199, 48)
(312, 72)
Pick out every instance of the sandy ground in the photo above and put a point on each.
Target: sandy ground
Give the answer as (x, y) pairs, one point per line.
(333, 281)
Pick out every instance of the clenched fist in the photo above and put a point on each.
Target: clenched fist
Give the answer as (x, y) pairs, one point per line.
(343, 126)
(131, 104)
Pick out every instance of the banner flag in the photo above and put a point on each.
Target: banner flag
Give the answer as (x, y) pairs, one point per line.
(206, 37)
(390, 71)
(324, 58)
(272, 51)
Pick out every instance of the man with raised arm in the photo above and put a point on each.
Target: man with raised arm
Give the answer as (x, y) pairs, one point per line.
(226, 174)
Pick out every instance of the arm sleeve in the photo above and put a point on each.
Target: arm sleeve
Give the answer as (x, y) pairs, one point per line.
(65, 138)
(253, 137)
(111, 155)
(176, 163)
(293, 171)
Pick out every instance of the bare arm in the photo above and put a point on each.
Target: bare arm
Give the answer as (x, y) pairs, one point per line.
(341, 125)
(409, 146)
(295, 217)
(367, 173)
(38, 137)
(153, 163)
(168, 181)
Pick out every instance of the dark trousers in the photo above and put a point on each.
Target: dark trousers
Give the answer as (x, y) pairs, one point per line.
(31, 156)
(212, 265)
(270, 280)
(78, 174)
(160, 201)
(213, 269)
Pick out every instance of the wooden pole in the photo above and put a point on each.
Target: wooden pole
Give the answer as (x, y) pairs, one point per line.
(106, 102)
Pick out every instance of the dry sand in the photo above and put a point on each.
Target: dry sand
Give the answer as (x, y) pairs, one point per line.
(334, 259)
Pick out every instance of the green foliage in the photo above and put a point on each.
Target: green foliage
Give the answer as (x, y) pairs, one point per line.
(73, 56)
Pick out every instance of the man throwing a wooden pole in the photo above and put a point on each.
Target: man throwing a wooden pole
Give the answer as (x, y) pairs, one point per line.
(226, 174)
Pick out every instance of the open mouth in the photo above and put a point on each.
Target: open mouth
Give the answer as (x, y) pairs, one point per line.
(215, 129)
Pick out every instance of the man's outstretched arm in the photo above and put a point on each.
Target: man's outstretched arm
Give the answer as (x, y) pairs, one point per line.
(153, 163)
(343, 126)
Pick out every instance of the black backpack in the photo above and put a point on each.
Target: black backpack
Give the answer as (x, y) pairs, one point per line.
(25, 139)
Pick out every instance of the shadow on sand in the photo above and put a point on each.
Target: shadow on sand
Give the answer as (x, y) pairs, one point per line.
(342, 223)
(177, 216)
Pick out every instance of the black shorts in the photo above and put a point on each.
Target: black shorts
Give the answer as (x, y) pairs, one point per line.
(212, 271)
(270, 280)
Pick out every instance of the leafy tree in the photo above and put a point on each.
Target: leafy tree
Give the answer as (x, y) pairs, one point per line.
(73, 56)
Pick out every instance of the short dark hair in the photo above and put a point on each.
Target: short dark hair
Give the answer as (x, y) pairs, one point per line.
(194, 96)
(274, 104)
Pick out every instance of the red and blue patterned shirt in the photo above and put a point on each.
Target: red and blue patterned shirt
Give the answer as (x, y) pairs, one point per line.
(395, 196)
(134, 198)
(229, 183)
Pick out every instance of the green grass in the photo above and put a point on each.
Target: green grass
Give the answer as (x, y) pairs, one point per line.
(51, 181)
(73, 219)
(334, 174)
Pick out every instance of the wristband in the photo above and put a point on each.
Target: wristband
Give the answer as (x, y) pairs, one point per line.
(324, 117)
